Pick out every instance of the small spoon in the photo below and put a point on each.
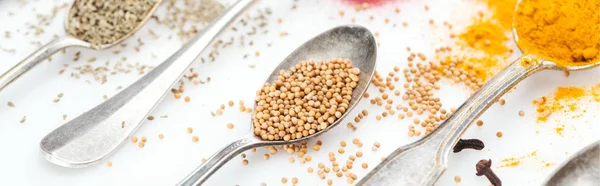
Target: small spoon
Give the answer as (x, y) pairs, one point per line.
(349, 42)
(63, 42)
(423, 161)
(583, 169)
(97, 133)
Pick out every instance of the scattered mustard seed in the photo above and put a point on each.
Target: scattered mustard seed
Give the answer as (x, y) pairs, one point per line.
(284, 180)
(141, 144)
(134, 139)
(479, 123)
(244, 162)
(230, 125)
(195, 138)
(190, 130)
(521, 113)
(144, 139)
(109, 164)
(499, 134)
(294, 180)
(457, 179)
(161, 136)
(365, 165)
(187, 99)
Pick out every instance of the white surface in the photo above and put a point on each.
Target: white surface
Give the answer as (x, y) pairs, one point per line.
(165, 162)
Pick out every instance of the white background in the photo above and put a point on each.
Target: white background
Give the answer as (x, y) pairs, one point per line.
(165, 162)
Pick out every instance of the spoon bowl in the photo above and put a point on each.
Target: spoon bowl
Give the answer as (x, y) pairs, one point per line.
(423, 161)
(63, 42)
(351, 42)
(583, 169)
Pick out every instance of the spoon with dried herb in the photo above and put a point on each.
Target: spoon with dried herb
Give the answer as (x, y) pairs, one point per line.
(95, 24)
(309, 93)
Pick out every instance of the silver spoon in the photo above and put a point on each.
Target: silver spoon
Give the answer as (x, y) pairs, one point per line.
(96, 133)
(583, 169)
(63, 42)
(423, 162)
(349, 42)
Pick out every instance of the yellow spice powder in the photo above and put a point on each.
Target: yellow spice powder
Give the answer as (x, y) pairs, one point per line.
(564, 99)
(564, 31)
(486, 36)
(502, 11)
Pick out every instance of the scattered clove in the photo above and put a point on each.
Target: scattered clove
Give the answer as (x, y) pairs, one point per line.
(468, 144)
(483, 168)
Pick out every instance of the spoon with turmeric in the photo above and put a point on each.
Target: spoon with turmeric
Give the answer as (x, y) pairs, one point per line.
(90, 24)
(552, 34)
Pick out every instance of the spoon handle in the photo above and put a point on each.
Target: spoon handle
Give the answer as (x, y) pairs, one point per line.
(422, 162)
(216, 161)
(38, 56)
(98, 132)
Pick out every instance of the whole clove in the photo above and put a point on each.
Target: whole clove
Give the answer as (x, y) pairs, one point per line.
(483, 168)
(468, 144)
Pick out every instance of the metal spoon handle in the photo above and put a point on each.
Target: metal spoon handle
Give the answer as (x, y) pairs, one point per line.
(423, 161)
(216, 161)
(38, 56)
(98, 132)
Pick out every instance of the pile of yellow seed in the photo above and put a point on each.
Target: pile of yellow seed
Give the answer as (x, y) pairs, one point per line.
(306, 99)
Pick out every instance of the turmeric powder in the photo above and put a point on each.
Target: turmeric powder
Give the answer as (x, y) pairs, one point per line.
(564, 31)
(487, 36)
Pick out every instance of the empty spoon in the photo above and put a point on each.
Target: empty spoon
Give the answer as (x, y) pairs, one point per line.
(583, 169)
(96, 133)
(348, 42)
(63, 42)
(423, 161)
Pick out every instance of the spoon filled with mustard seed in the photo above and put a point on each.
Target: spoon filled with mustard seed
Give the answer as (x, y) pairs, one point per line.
(551, 35)
(309, 93)
(95, 24)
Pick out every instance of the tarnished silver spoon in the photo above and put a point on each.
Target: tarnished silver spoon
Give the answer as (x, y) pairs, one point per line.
(423, 161)
(583, 169)
(97, 133)
(63, 42)
(348, 42)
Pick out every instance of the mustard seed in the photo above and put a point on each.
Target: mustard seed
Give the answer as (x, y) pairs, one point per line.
(231, 103)
(294, 180)
(109, 164)
(195, 139)
(502, 101)
(187, 99)
(230, 125)
(355, 141)
(161, 136)
(141, 144)
(457, 179)
(343, 143)
(365, 165)
(144, 139)
(244, 162)
(499, 134)
(335, 73)
(521, 113)
(316, 147)
(266, 156)
(341, 150)
(359, 154)
(190, 130)
(291, 160)
(310, 170)
(479, 123)
(134, 139)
